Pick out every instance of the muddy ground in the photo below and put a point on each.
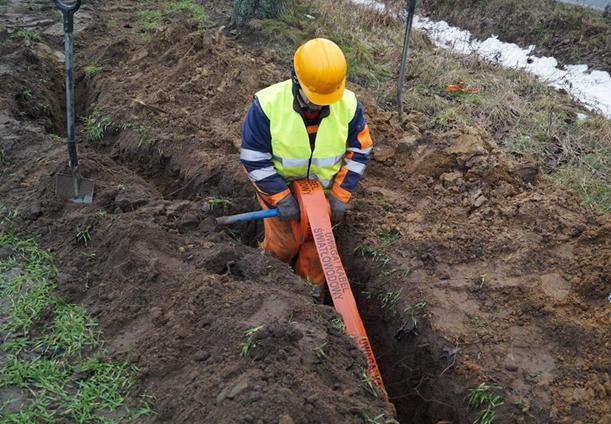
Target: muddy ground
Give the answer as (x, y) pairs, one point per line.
(469, 267)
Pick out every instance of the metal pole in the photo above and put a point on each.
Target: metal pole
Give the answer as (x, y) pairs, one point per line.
(69, 78)
(411, 9)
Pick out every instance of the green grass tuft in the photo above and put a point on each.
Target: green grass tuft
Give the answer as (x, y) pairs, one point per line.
(72, 331)
(198, 13)
(59, 371)
(83, 235)
(484, 399)
(376, 253)
(96, 126)
(219, 203)
(390, 300)
(249, 340)
(149, 19)
(369, 383)
(338, 323)
(25, 34)
(91, 71)
(25, 95)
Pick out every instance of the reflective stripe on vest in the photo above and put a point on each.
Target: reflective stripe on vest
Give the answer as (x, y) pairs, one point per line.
(290, 140)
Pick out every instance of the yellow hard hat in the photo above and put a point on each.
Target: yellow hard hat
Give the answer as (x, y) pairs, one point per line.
(320, 67)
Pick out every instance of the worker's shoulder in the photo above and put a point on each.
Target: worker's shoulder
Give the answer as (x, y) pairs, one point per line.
(350, 96)
(272, 89)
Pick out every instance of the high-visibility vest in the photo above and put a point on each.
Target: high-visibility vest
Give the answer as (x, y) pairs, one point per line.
(292, 155)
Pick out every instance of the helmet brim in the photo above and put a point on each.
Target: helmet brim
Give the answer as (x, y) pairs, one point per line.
(324, 99)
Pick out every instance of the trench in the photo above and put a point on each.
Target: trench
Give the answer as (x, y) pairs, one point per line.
(409, 365)
(409, 361)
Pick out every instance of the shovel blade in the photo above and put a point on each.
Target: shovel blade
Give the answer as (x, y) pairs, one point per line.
(65, 188)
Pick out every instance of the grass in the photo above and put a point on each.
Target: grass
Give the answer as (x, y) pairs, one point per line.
(523, 115)
(369, 383)
(56, 138)
(389, 301)
(83, 235)
(419, 306)
(25, 34)
(486, 401)
(72, 331)
(258, 9)
(338, 323)
(400, 271)
(388, 237)
(25, 94)
(373, 252)
(60, 367)
(149, 19)
(96, 126)
(377, 251)
(378, 419)
(91, 71)
(249, 340)
(197, 12)
(219, 203)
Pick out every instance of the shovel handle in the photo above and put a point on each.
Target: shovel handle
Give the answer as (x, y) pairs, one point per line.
(248, 216)
(68, 10)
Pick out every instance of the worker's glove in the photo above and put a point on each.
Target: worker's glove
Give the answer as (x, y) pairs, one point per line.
(288, 209)
(338, 208)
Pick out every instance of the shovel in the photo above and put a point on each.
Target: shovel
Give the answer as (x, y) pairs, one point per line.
(71, 187)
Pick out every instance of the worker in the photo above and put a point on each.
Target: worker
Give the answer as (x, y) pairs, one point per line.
(308, 127)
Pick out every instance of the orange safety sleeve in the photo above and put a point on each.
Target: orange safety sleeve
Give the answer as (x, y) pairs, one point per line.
(364, 138)
(272, 199)
(315, 220)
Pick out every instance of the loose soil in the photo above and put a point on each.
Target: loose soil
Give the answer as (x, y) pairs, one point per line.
(502, 278)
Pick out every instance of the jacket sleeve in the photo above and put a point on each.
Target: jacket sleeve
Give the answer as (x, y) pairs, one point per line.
(256, 156)
(358, 149)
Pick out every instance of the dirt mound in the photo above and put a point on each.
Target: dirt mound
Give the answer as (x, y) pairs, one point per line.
(469, 267)
(510, 270)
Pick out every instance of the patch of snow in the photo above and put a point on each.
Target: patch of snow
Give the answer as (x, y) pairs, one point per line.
(376, 5)
(591, 88)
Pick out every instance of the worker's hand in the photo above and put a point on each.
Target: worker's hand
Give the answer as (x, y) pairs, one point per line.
(338, 208)
(288, 209)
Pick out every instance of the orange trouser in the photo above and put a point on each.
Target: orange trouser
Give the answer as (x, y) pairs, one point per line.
(281, 243)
